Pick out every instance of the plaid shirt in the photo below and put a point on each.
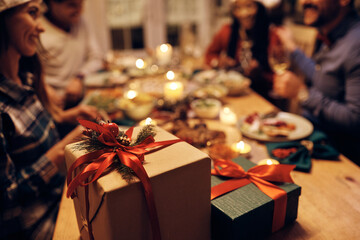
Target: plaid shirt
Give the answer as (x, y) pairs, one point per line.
(30, 183)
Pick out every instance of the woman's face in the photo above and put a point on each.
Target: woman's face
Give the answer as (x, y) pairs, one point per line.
(67, 12)
(24, 28)
(245, 11)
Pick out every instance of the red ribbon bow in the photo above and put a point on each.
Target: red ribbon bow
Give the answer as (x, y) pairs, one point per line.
(131, 156)
(259, 175)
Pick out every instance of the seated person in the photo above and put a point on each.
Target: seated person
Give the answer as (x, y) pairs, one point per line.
(32, 169)
(70, 51)
(330, 97)
(243, 45)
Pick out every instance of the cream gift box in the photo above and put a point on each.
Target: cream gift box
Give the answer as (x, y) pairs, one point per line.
(180, 177)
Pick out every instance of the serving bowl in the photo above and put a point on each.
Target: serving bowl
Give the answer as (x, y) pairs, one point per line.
(137, 108)
(206, 108)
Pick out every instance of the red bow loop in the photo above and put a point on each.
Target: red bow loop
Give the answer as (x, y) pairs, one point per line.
(227, 169)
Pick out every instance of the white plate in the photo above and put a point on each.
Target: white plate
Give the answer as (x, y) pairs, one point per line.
(105, 79)
(303, 129)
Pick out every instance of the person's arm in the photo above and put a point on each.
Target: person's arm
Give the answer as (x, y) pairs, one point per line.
(298, 58)
(343, 116)
(216, 48)
(94, 60)
(36, 178)
(303, 63)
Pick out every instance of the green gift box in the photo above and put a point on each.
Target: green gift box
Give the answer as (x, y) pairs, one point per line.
(247, 212)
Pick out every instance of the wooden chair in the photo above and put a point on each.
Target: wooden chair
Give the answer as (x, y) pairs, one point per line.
(304, 37)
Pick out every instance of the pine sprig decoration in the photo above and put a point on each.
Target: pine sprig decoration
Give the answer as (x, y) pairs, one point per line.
(91, 143)
(145, 132)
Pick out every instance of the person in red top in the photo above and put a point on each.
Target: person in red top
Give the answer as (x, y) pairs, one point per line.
(243, 45)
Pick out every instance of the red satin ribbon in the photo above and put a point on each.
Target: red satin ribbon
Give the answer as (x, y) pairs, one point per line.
(131, 156)
(259, 175)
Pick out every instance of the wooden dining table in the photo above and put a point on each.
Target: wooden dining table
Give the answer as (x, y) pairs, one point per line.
(329, 205)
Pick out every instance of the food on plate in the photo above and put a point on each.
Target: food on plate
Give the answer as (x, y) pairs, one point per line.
(211, 91)
(272, 127)
(252, 123)
(235, 82)
(276, 127)
(105, 99)
(205, 77)
(198, 135)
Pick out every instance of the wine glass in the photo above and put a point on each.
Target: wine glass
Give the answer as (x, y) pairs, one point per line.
(279, 61)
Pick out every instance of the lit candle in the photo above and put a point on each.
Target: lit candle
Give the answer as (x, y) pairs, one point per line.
(268, 161)
(147, 121)
(140, 64)
(131, 94)
(173, 90)
(170, 75)
(241, 147)
(164, 54)
(227, 116)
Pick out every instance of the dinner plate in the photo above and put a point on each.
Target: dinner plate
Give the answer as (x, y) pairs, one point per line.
(303, 129)
(105, 79)
(105, 99)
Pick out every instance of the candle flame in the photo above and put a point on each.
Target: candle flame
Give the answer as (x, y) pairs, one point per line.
(173, 86)
(164, 47)
(131, 94)
(170, 75)
(140, 63)
(240, 145)
(148, 121)
(227, 110)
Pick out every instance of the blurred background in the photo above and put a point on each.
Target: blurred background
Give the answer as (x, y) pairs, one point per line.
(189, 24)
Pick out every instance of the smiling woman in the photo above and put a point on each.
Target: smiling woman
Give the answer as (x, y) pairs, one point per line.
(31, 153)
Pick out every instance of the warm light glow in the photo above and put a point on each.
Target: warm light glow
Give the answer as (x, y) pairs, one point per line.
(174, 86)
(268, 161)
(173, 90)
(154, 68)
(148, 121)
(227, 116)
(241, 148)
(164, 47)
(240, 145)
(140, 63)
(227, 110)
(131, 94)
(170, 75)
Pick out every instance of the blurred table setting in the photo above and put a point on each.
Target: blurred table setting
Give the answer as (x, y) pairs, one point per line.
(217, 112)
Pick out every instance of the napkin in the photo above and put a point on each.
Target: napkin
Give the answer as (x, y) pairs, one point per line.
(301, 152)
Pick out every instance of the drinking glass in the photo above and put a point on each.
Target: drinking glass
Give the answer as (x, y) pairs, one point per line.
(279, 61)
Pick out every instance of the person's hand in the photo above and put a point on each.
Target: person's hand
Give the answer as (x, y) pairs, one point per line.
(286, 37)
(226, 61)
(287, 84)
(80, 112)
(56, 154)
(55, 97)
(74, 90)
(251, 70)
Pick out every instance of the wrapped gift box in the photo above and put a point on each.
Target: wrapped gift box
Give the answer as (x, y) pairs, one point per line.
(247, 213)
(180, 177)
